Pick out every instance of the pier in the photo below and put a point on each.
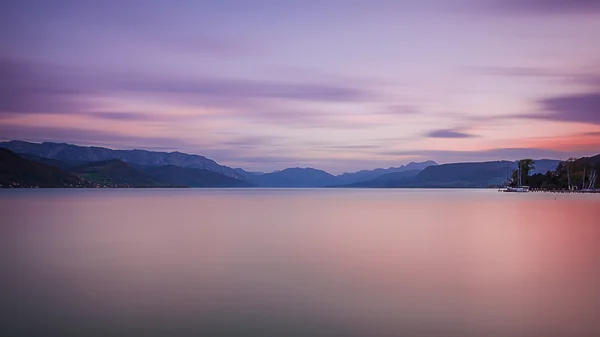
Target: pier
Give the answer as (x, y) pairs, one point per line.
(544, 190)
(564, 190)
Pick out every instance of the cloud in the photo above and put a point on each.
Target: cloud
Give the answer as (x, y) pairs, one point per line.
(125, 116)
(448, 133)
(27, 87)
(251, 142)
(309, 118)
(214, 87)
(400, 110)
(581, 108)
(546, 6)
(121, 116)
(577, 107)
(449, 156)
(517, 71)
(583, 78)
(86, 136)
(350, 147)
(135, 27)
(201, 44)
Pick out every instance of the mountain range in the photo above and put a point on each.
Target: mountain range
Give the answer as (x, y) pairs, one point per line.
(140, 168)
(19, 172)
(364, 175)
(74, 153)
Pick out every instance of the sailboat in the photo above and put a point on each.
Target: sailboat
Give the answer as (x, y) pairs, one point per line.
(519, 188)
(591, 182)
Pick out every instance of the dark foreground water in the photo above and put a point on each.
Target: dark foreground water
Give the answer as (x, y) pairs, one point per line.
(298, 263)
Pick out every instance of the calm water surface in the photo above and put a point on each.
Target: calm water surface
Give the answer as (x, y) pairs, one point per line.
(314, 262)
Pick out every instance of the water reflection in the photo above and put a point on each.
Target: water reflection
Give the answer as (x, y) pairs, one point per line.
(300, 263)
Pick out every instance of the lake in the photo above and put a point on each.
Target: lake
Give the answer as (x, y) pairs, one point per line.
(298, 262)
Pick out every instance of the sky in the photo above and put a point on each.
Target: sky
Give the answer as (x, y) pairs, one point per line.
(337, 85)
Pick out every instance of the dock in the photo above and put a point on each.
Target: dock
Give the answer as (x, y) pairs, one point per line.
(544, 190)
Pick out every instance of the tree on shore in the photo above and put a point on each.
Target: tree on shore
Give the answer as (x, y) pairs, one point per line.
(574, 172)
(524, 168)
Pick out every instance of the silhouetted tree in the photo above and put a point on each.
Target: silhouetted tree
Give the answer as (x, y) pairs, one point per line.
(525, 166)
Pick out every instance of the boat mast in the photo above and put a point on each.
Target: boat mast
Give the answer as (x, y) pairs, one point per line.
(520, 173)
(569, 173)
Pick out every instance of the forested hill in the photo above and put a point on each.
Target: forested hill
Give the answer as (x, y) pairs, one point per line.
(573, 169)
(16, 171)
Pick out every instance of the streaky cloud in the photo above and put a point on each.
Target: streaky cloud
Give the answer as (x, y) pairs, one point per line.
(512, 71)
(401, 110)
(448, 133)
(446, 156)
(579, 108)
(28, 87)
(121, 116)
(545, 6)
(588, 79)
(86, 136)
(250, 89)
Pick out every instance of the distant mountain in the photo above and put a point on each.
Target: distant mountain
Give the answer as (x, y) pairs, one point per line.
(462, 175)
(191, 177)
(454, 175)
(366, 175)
(395, 179)
(148, 168)
(295, 177)
(19, 172)
(545, 165)
(114, 172)
(246, 175)
(75, 153)
(52, 162)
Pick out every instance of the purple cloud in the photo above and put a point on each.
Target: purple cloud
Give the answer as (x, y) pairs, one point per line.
(30, 87)
(546, 6)
(350, 147)
(213, 87)
(135, 116)
(27, 87)
(120, 116)
(448, 133)
(401, 110)
(147, 27)
(580, 108)
(585, 79)
(86, 136)
(302, 118)
(248, 142)
(448, 156)
(591, 79)
(583, 108)
(518, 71)
(202, 44)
